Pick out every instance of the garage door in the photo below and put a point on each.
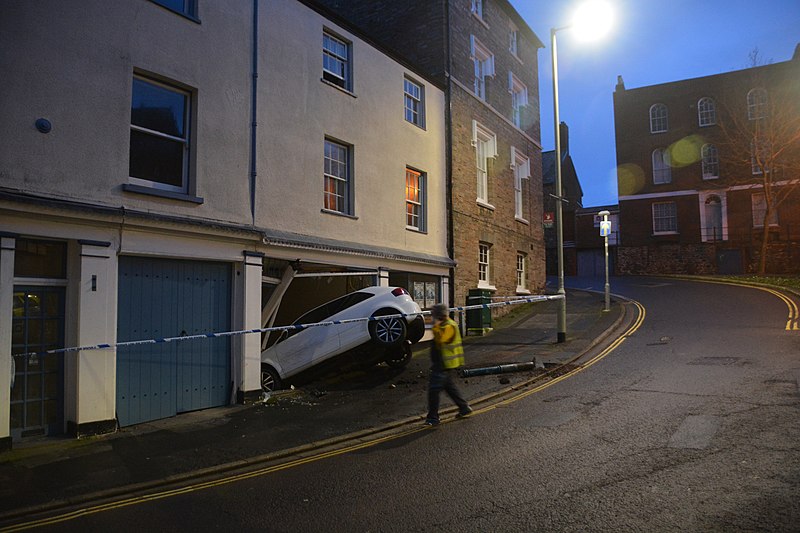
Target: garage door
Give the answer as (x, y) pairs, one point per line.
(168, 298)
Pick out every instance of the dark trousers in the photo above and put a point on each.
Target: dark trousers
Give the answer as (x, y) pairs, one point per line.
(443, 381)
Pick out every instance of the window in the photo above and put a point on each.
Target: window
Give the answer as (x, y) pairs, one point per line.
(187, 8)
(519, 99)
(336, 61)
(415, 200)
(665, 219)
(485, 147)
(759, 203)
(337, 178)
(658, 118)
(513, 42)
(757, 104)
(483, 265)
(484, 66)
(706, 112)
(522, 270)
(477, 8)
(710, 161)
(522, 171)
(759, 153)
(414, 103)
(662, 171)
(159, 146)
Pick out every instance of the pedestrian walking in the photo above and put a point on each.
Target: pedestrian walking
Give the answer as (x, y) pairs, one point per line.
(447, 355)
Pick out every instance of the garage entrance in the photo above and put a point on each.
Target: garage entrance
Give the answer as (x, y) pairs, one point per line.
(168, 298)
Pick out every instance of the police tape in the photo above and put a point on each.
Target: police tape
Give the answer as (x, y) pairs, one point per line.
(293, 327)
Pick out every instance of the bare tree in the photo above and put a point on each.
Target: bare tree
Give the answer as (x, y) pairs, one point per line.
(760, 127)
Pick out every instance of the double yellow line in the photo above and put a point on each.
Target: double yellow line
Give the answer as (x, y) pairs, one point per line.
(792, 322)
(136, 500)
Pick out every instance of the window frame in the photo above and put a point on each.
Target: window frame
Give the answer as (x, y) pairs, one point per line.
(659, 113)
(329, 177)
(344, 81)
(519, 98)
(476, 8)
(189, 10)
(522, 171)
(483, 65)
(658, 218)
(760, 207)
(484, 265)
(709, 161)
(420, 203)
(522, 272)
(662, 166)
(143, 184)
(706, 112)
(485, 143)
(757, 99)
(419, 99)
(513, 41)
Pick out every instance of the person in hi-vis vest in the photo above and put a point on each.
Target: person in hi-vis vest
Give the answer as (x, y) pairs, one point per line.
(447, 355)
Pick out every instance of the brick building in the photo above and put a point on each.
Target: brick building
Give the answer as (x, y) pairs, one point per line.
(486, 57)
(572, 193)
(692, 195)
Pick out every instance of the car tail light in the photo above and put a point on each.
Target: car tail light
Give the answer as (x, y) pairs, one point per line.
(399, 291)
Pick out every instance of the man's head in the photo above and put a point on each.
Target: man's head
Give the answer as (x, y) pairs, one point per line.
(439, 311)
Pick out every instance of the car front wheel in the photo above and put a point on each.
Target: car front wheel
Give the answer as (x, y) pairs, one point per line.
(270, 380)
(388, 331)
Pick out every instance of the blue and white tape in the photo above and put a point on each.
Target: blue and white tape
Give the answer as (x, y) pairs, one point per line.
(295, 327)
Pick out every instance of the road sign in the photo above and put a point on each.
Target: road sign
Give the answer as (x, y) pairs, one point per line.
(605, 228)
(548, 218)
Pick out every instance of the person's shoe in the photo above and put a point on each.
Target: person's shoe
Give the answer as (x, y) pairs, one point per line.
(464, 414)
(431, 422)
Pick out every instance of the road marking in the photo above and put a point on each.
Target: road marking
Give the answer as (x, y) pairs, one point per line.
(136, 500)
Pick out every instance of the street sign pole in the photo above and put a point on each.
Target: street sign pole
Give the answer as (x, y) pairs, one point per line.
(605, 231)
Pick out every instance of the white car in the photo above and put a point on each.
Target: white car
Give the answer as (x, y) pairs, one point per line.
(298, 350)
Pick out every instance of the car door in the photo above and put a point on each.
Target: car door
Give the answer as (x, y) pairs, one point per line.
(355, 333)
(301, 348)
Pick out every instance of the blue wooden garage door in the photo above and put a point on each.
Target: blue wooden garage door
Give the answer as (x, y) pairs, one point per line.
(167, 298)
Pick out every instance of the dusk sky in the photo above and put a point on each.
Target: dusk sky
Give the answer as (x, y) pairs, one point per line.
(652, 42)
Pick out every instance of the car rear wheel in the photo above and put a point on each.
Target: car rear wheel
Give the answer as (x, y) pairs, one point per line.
(270, 380)
(399, 356)
(388, 331)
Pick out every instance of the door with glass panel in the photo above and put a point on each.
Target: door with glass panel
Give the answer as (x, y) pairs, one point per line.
(37, 393)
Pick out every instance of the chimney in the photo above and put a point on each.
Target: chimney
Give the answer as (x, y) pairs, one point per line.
(620, 84)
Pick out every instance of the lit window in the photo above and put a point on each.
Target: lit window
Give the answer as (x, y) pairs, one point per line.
(662, 171)
(519, 100)
(522, 275)
(483, 61)
(759, 203)
(336, 61)
(414, 103)
(485, 148)
(665, 218)
(483, 264)
(522, 171)
(706, 112)
(415, 200)
(159, 144)
(756, 104)
(337, 178)
(710, 161)
(659, 122)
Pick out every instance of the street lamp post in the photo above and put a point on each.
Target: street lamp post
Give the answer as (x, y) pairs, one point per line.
(605, 231)
(592, 20)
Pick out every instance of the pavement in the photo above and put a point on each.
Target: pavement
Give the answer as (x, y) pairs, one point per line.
(49, 474)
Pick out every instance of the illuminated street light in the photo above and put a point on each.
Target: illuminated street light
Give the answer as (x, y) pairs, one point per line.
(592, 20)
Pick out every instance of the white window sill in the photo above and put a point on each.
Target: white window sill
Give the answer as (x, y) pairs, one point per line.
(522, 220)
(337, 213)
(479, 19)
(484, 285)
(161, 193)
(523, 291)
(484, 204)
(658, 233)
(345, 91)
(707, 178)
(416, 230)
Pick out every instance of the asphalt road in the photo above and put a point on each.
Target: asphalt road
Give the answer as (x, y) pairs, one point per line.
(690, 425)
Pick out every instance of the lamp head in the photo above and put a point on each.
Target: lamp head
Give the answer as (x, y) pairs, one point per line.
(592, 20)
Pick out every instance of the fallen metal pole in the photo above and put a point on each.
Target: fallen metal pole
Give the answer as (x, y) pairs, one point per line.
(499, 369)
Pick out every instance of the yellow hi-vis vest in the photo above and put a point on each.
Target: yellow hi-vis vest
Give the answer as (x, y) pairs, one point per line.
(452, 352)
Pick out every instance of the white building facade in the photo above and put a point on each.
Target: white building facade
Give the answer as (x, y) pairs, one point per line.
(165, 167)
